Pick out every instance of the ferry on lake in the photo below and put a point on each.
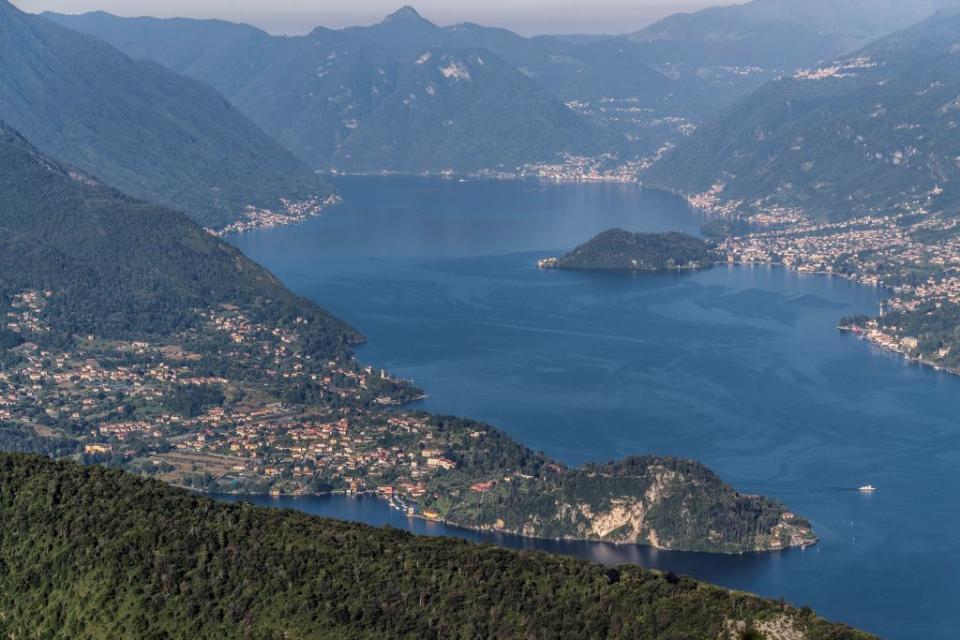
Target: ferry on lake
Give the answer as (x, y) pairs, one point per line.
(867, 488)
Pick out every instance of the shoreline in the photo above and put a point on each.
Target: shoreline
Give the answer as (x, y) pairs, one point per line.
(346, 493)
(857, 330)
(852, 277)
(861, 334)
(297, 212)
(285, 220)
(502, 176)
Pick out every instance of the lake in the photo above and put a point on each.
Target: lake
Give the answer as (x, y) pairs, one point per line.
(741, 368)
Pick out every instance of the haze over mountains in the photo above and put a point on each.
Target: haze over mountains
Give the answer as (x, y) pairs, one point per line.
(407, 95)
(785, 30)
(402, 95)
(868, 132)
(138, 126)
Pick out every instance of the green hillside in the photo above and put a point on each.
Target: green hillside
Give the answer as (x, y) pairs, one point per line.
(119, 267)
(622, 250)
(139, 127)
(872, 132)
(92, 553)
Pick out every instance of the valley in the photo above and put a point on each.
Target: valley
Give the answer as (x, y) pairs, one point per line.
(283, 269)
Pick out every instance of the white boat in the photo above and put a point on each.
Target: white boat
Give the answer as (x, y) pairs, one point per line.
(867, 488)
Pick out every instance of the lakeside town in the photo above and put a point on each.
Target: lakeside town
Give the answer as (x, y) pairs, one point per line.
(146, 408)
(292, 213)
(912, 252)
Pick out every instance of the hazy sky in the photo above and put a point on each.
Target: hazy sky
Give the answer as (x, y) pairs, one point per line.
(299, 16)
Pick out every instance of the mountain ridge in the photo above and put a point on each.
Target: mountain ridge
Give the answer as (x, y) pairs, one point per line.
(119, 266)
(140, 127)
(343, 99)
(361, 100)
(870, 132)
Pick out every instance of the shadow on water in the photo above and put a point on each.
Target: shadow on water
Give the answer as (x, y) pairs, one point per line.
(377, 513)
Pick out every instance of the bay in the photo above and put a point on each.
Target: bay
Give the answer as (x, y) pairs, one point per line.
(741, 368)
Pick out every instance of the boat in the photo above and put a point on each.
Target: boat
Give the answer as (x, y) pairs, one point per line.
(867, 488)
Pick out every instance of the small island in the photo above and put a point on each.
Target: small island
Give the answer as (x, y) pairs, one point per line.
(618, 249)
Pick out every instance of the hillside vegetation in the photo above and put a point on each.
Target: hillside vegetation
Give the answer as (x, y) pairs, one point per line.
(872, 132)
(123, 268)
(141, 128)
(92, 553)
(618, 249)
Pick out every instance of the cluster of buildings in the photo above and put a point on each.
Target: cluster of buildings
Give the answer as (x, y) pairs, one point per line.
(841, 69)
(292, 212)
(113, 399)
(392, 454)
(879, 250)
(712, 202)
(628, 114)
(914, 254)
(26, 307)
(574, 168)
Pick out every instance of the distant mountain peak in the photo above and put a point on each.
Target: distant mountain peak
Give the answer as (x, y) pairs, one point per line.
(405, 13)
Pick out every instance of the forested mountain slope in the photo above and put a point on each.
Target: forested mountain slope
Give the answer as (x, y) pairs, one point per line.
(119, 267)
(874, 131)
(93, 553)
(141, 128)
(784, 33)
(402, 95)
(352, 98)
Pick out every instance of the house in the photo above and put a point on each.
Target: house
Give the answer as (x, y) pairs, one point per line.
(442, 463)
(98, 448)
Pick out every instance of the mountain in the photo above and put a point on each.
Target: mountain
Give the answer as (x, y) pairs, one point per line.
(355, 99)
(785, 33)
(93, 553)
(315, 93)
(872, 131)
(402, 95)
(139, 127)
(122, 268)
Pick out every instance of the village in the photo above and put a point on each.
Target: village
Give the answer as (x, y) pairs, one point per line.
(913, 254)
(292, 213)
(148, 408)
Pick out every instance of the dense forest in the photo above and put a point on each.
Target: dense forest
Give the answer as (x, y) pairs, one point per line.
(666, 501)
(622, 250)
(94, 553)
(121, 268)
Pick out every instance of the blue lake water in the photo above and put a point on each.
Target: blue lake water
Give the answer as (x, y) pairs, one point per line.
(741, 368)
